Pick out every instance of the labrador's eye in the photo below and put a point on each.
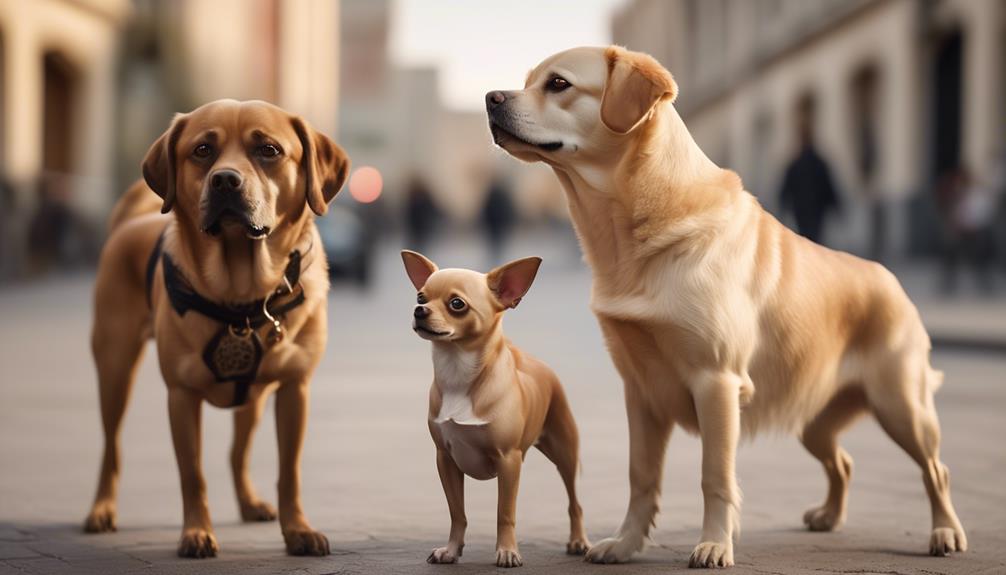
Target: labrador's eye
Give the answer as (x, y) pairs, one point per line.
(268, 151)
(203, 151)
(457, 304)
(557, 84)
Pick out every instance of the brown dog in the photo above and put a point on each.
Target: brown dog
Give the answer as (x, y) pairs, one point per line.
(718, 318)
(231, 281)
(490, 402)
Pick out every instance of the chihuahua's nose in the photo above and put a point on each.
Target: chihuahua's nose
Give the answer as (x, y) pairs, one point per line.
(226, 180)
(494, 99)
(420, 312)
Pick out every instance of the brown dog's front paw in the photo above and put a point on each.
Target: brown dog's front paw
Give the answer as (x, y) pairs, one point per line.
(306, 542)
(508, 558)
(197, 544)
(444, 555)
(101, 519)
(257, 511)
(578, 546)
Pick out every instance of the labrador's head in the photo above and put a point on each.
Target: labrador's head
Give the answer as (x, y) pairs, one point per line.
(581, 104)
(243, 168)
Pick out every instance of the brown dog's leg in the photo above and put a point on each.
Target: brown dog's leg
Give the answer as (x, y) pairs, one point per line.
(508, 482)
(820, 437)
(453, 481)
(909, 417)
(649, 433)
(291, 421)
(717, 404)
(560, 442)
(117, 345)
(245, 421)
(185, 412)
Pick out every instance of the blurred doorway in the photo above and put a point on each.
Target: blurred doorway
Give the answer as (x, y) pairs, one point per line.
(946, 111)
(865, 95)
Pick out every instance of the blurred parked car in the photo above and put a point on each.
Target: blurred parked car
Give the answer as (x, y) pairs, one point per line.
(347, 244)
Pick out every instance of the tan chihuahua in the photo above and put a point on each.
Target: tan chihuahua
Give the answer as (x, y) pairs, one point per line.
(489, 402)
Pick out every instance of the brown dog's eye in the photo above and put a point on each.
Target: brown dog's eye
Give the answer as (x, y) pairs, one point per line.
(203, 151)
(457, 304)
(268, 151)
(557, 84)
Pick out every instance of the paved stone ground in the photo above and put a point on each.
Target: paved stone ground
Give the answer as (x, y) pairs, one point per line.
(369, 477)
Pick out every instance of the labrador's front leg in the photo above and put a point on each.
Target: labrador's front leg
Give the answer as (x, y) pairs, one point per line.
(717, 404)
(291, 421)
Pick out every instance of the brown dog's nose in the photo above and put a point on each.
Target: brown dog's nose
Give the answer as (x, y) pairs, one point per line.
(226, 180)
(420, 312)
(494, 99)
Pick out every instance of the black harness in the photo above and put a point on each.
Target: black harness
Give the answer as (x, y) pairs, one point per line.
(235, 352)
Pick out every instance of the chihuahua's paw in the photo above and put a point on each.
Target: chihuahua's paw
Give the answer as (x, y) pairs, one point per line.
(258, 510)
(946, 540)
(306, 542)
(197, 543)
(614, 550)
(823, 518)
(446, 554)
(508, 558)
(577, 546)
(101, 519)
(712, 554)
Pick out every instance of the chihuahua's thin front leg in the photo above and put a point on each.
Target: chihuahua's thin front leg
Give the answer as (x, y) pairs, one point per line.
(185, 414)
(453, 481)
(291, 422)
(506, 513)
(717, 404)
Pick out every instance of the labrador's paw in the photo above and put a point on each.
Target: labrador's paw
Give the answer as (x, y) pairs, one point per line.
(823, 518)
(101, 519)
(946, 540)
(614, 550)
(508, 558)
(256, 511)
(712, 554)
(446, 554)
(197, 543)
(306, 542)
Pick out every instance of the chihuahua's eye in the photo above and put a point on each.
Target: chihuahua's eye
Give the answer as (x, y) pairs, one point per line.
(557, 84)
(420, 298)
(269, 151)
(457, 304)
(203, 151)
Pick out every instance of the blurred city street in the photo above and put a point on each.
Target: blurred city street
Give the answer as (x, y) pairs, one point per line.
(369, 476)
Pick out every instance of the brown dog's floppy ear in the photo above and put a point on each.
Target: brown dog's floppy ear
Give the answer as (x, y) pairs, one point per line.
(325, 166)
(159, 165)
(418, 267)
(511, 281)
(635, 83)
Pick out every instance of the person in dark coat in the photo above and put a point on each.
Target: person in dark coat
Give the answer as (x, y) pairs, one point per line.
(497, 218)
(808, 189)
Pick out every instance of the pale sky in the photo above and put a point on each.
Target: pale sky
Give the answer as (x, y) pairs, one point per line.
(483, 45)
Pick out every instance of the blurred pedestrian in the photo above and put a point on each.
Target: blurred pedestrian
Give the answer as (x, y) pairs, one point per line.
(420, 214)
(497, 218)
(807, 188)
(968, 208)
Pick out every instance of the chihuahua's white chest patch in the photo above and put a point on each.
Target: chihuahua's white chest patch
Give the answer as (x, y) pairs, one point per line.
(455, 372)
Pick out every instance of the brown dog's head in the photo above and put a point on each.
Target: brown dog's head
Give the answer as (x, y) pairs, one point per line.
(464, 305)
(232, 167)
(578, 105)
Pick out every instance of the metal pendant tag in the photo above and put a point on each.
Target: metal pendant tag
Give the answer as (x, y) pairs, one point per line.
(234, 354)
(276, 333)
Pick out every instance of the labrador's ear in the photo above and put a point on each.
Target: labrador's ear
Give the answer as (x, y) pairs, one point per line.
(324, 165)
(160, 166)
(510, 282)
(418, 267)
(636, 82)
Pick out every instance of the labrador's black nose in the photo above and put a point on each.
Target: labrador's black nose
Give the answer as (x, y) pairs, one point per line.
(420, 312)
(494, 99)
(226, 180)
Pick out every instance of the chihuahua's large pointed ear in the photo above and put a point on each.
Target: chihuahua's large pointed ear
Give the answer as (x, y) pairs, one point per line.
(418, 267)
(324, 164)
(511, 281)
(160, 166)
(635, 83)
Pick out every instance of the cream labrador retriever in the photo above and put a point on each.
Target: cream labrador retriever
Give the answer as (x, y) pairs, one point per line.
(718, 318)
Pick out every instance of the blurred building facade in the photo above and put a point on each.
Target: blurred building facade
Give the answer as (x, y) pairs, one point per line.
(902, 91)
